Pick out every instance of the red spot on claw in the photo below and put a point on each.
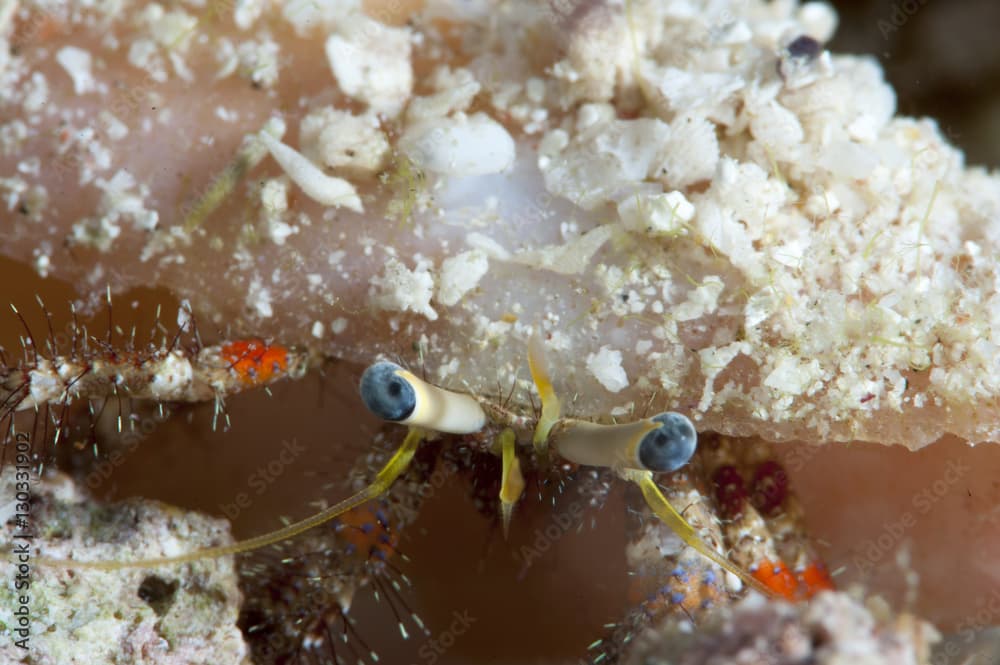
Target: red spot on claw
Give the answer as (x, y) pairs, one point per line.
(730, 491)
(769, 488)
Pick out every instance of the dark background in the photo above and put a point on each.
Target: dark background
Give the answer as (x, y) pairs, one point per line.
(943, 60)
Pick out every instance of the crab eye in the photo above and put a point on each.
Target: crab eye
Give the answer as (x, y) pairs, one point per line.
(393, 393)
(387, 394)
(804, 47)
(670, 446)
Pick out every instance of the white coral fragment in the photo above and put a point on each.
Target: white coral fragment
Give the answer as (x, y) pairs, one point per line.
(604, 161)
(656, 214)
(606, 367)
(689, 154)
(371, 63)
(463, 145)
(340, 139)
(460, 274)
(324, 189)
(793, 376)
(570, 258)
(76, 62)
(400, 289)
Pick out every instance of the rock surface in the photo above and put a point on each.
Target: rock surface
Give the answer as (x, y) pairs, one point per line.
(832, 629)
(165, 616)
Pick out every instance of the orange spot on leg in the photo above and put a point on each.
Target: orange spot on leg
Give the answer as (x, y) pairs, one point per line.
(255, 361)
(776, 577)
(367, 533)
(814, 579)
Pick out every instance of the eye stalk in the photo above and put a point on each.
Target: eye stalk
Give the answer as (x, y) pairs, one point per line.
(662, 443)
(393, 393)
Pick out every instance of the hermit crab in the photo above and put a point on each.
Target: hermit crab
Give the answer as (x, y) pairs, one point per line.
(691, 207)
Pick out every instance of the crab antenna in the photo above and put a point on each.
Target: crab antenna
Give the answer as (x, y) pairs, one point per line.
(511, 478)
(550, 402)
(395, 467)
(669, 515)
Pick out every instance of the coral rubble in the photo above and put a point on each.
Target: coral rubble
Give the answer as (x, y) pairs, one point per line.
(834, 628)
(169, 616)
(693, 200)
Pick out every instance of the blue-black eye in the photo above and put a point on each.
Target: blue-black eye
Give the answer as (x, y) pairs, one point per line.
(386, 394)
(670, 446)
(804, 47)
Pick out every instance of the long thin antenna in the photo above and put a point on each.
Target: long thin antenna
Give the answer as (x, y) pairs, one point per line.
(110, 320)
(31, 338)
(395, 467)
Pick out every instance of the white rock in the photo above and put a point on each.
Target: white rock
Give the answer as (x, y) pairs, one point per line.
(702, 300)
(76, 62)
(455, 91)
(606, 367)
(246, 12)
(371, 63)
(400, 289)
(306, 15)
(274, 195)
(460, 274)
(463, 145)
(258, 299)
(689, 155)
(775, 126)
(819, 20)
(849, 160)
(338, 138)
(792, 376)
(569, 258)
(603, 163)
(655, 214)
